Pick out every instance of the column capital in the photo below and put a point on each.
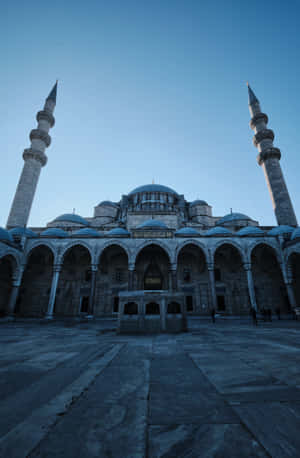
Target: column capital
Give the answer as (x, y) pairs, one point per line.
(57, 267)
(94, 267)
(131, 266)
(210, 266)
(173, 267)
(247, 265)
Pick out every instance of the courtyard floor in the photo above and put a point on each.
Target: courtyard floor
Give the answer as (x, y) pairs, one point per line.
(220, 390)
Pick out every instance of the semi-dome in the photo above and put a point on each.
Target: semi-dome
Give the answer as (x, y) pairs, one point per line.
(21, 231)
(54, 232)
(231, 217)
(152, 224)
(219, 231)
(72, 218)
(5, 236)
(295, 233)
(108, 203)
(198, 202)
(87, 232)
(118, 231)
(250, 231)
(153, 188)
(187, 231)
(281, 230)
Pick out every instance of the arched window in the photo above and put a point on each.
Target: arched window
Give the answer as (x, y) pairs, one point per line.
(130, 308)
(152, 308)
(173, 308)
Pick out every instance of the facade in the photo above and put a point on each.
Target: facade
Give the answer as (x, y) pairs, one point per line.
(152, 243)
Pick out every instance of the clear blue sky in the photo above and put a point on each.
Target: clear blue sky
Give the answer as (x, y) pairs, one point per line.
(149, 89)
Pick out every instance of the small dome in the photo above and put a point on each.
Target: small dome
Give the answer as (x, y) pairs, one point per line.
(87, 232)
(21, 231)
(54, 232)
(118, 231)
(250, 231)
(198, 202)
(5, 236)
(295, 233)
(108, 203)
(187, 231)
(218, 231)
(72, 218)
(152, 224)
(233, 217)
(281, 230)
(153, 188)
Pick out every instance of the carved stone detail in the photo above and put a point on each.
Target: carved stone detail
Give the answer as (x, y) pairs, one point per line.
(268, 154)
(263, 135)
(40, 135)
(39, 156)
(46, 116)
(258, 118)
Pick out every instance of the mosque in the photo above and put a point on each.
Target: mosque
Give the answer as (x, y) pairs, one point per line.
(150, 247)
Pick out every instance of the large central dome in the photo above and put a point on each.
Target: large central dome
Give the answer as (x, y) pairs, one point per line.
(153, 188)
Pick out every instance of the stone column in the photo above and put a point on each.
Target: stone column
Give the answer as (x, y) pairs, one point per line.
(56, 272)
(94, 269)
(130, 277)
(174, 277)
(247, 267)
(16, 283)
(212, 285)
(163, 311)
(288, 281)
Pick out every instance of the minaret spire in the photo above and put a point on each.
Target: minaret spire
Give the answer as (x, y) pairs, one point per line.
(53, 93)
(269, 158)
(251, 96)
(34, 159)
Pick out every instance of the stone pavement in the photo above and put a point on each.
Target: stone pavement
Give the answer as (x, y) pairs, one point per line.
(79, 390)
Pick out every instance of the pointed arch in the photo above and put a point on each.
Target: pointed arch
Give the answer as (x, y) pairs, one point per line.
(74, 243)
(231, 242)
(37, 244)
(231, 278)
(152, 267)
(158, 243)
(197, 243)
(74, 284)
(117, 242)
(36, 281)
(8, 267)
(269, 286)
(112, 276)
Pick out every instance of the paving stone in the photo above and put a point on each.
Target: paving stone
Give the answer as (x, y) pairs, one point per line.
(205, 441)
(228, 390)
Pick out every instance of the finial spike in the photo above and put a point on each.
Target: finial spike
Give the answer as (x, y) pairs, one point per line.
(251, 96)
(53, 93)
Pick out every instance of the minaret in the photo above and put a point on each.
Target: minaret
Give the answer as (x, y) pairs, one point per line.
(34, 159)
(269, 158)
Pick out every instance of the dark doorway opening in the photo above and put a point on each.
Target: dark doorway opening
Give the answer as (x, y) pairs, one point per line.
(221, 303)
(85, 304)
(174, 307)
(116, 304)
(152, 308)
(189, 303)
(130, 308)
